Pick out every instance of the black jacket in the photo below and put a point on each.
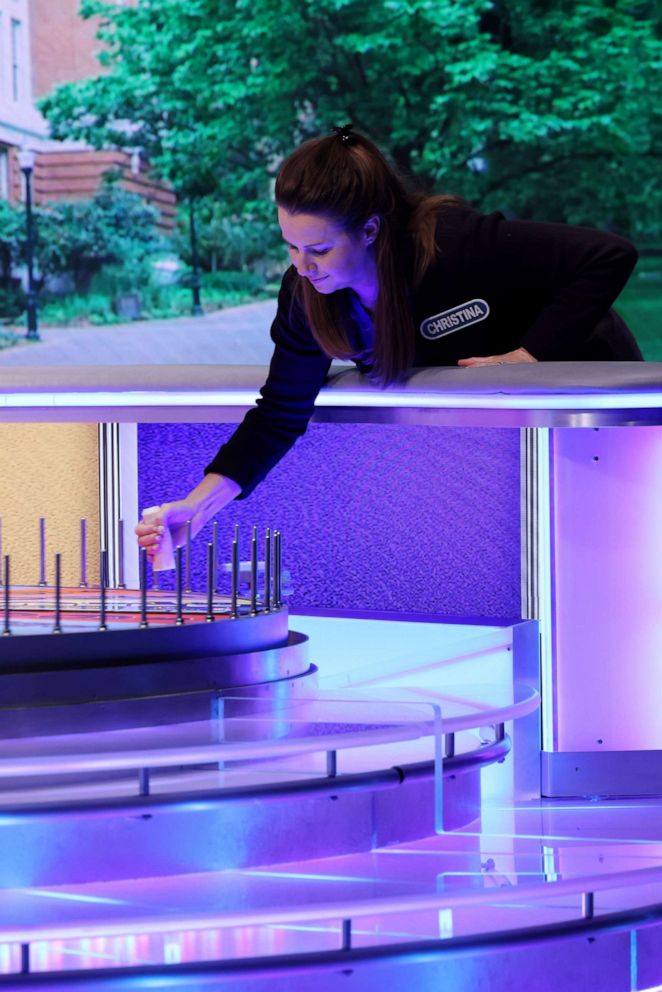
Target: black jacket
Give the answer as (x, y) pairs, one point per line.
(496, 285)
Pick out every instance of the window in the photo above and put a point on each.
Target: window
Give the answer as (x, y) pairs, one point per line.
(4, 174)
(16, 37)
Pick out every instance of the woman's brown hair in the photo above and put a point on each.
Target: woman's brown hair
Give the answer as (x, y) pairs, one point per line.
(346, 178)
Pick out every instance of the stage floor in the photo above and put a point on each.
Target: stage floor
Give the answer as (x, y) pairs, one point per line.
(519, 864)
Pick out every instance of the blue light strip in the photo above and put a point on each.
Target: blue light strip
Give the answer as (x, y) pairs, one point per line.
(393, 399)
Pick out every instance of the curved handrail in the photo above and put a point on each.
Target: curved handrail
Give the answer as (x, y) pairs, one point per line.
(57, 764)
(385, 778)
(307, 962)
(338, 909)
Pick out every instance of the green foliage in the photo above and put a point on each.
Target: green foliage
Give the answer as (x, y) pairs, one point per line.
(80, 236)
(234, 242)
(8, 339)
(12, 235)
(12, 302)
(640, 304)
(114, 230)
(221, 289)
(76, 310)
(548, 108)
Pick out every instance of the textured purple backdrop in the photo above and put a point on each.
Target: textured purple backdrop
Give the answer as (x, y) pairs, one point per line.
(381, 517)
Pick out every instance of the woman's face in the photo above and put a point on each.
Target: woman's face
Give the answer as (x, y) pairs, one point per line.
(330, 257)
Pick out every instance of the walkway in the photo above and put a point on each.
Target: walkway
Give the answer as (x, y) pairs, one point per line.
(236, 336)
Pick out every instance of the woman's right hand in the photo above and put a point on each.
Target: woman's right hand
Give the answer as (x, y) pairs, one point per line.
(169, 519)
(165, 526)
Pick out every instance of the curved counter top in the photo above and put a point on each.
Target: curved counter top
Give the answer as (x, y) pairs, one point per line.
(552, 394)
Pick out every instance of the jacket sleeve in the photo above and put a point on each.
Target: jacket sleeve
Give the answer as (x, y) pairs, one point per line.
(296, 374)
(576, 272)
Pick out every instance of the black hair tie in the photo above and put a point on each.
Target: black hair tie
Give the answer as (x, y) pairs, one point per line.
(344, 133)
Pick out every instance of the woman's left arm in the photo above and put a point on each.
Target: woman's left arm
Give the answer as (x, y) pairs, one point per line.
(577, 272)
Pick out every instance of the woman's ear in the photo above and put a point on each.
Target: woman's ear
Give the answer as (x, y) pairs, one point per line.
(371, 229)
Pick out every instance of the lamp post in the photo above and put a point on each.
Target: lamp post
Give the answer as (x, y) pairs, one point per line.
(26, 160)
(196, 310)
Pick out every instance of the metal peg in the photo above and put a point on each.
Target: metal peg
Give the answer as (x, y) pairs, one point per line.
(42, 551)
(143, 782)
(254, 572)
(278, 570)
(235, 580)
(57, 627)
(121, 584)
(267, 570)
(210, 582)
(588, 905)
(331, 764)
(179, 554)
(103, 573)
(143, 589)
(214, 538)
(6, 626)
(83, 553)
(346, 935)
(187, 580)
(25, 959)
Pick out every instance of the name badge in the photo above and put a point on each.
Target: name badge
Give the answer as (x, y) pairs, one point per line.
(450, 321)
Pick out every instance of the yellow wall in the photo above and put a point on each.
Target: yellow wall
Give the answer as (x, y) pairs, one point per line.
(49, 470)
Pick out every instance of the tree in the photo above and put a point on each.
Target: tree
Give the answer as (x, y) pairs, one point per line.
(115, 227)
(545, 107)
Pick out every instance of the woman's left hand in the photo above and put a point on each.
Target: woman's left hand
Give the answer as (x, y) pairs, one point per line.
(510, 358)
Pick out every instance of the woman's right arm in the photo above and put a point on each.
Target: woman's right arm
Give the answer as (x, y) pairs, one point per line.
(297, 372)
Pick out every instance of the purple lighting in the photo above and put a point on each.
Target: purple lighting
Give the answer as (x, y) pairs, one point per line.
(400, 518)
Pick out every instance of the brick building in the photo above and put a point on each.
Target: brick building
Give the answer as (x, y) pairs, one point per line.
(43, 43)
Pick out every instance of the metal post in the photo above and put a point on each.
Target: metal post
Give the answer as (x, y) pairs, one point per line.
(42, 552)
(6, 627)
(57, 628)
(143, 781)
(210, 582)
(449, 742)
(267, 570)
(179, 554)
(331, 764)
(143, 588)
(234, 612)
(83, 553)
(187, 582)
(196, 309)
(278, 570)
(25, 959)
(26, 162)
(103, 572)
(214, 538)
(588, 907)
(121, 584)
(346, 935)
(254, 572)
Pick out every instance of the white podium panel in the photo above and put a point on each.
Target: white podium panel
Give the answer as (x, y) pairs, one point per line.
(607, 554)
